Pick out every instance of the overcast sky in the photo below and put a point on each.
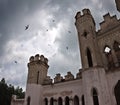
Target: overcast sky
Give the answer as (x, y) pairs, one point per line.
(51, 33)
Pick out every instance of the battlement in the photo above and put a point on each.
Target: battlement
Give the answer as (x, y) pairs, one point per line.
(39, 58)
(108, 23)
(59, 79)
(83, 16)
(84, 12)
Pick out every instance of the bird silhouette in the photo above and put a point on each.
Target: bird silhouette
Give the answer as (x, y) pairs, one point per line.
(26, 27)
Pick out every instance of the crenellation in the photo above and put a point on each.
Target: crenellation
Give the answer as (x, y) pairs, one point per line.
(47, 81)
(69, 76)
(58, 78)
(38, 58)
(108, 23)
(79, 74)
(31, 59)
(86, 12)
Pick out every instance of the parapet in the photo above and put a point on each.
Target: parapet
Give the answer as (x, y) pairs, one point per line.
(47, 81)
(79, 74)
(85, 15)
(108, 23)
(69, 76)
(58, 78)
(38, 57)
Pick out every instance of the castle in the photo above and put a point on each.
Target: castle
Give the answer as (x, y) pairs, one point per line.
(97, 83)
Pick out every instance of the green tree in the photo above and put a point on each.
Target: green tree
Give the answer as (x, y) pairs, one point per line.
(6, 92)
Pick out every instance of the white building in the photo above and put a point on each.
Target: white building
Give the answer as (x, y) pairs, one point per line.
(97, 83)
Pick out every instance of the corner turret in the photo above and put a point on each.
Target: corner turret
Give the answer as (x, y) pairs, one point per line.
(37, 69)
(86, 29)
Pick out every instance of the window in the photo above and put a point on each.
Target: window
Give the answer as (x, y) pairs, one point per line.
(83, 100)
(51, 101)
(37, 77)
(28, 100)
(76, 100)
(95, 97)
(67, 101)
(46, 101)
(60, 101)
(89, 57)
(117, 92)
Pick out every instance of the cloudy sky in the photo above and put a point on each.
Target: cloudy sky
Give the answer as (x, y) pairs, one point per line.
(51, 32)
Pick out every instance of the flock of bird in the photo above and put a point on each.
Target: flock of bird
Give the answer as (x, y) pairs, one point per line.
(27, 27)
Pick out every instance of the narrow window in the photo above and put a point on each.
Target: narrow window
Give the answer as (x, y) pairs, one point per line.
(60, 101)
(37, 77)
(76, 100)
(67, 101)
(83, 100)
(28, 100)
(117, 92)
(89, 57)
(95, 97)
(46, 101)
(51, 101)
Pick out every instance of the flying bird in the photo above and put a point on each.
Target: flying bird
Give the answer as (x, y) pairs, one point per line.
(67, 48)
(26, 27)
(69, 31)
(16, 62)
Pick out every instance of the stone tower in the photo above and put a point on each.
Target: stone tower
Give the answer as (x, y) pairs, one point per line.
(37, 69)
(85, 25)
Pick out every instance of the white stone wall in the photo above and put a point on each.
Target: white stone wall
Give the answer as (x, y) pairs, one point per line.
(34, 91)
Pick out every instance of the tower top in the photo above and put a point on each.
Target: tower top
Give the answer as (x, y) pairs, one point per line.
(84, 15)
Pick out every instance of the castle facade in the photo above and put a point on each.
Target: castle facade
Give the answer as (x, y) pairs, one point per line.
(97, 83)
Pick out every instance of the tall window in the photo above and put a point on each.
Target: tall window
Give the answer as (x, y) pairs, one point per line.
(83, 100)
(76, 100)
(89, 57)
(51, 101)
(67, 101)
(60, 101)
(28, 100)
(46, 101)
(95, 97)
(117, 92)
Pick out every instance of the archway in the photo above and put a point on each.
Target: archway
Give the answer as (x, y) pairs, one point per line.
(67, 100)
(60, 101)
(76, 100)
(51, 101)
(46, 101)
(28, 100)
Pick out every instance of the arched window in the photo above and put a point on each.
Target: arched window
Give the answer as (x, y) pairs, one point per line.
(46, 101)
(89, 57)
(51, 101)
(67, 101)
(60, 101)
(117, 92)
(83, 100)
(28, 100)
(76, 100)
(95, 97)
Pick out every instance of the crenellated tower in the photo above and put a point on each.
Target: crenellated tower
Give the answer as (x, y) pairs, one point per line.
(85, 24)
(37, 69)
